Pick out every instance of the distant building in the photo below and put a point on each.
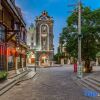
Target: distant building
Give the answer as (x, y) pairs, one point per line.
(63, 57)
(31, 42)
(44, 39)
(98, 59)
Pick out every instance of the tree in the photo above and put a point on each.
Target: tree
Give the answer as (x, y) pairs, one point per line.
(90, 34)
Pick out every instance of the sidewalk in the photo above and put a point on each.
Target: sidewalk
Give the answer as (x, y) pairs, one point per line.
(10, 82)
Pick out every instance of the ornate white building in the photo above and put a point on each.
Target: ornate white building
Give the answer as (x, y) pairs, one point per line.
(44, 39)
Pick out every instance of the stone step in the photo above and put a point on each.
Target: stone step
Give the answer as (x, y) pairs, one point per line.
(90, 84)
(10, 83)
(30, 75)
(95, 79)
(6, 88)
(83, 85)
(92, 80)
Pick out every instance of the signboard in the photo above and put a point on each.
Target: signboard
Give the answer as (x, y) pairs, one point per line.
(80, 71)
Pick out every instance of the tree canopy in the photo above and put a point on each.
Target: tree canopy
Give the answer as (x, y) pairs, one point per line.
(90, 33)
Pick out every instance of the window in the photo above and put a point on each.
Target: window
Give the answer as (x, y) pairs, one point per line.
(24, 37)
(2, 33)
(44, 28)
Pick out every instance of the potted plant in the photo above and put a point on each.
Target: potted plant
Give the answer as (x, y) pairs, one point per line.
(3, 75)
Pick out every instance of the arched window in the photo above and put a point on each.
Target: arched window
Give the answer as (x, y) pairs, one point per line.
(44, 28)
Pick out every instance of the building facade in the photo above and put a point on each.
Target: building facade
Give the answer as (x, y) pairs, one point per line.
(44, 39)
(31, 42)
(63, 55)
(13, 36)
(98, 59)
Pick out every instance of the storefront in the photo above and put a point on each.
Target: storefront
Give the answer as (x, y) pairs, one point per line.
(11, 57)
(12, 36)
(21, 57)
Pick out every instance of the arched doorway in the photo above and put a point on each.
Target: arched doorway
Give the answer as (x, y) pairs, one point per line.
(31, 57)
(44, 60)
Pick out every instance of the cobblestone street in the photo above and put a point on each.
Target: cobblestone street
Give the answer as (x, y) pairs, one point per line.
(49, 84)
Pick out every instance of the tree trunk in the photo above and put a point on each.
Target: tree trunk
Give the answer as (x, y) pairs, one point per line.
(87, 66)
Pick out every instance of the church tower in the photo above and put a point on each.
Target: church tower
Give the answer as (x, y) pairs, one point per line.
(44, 39)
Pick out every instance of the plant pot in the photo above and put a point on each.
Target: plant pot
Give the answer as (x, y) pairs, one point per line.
(3, 76)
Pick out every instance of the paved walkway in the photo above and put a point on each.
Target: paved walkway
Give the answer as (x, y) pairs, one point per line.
(49, 84)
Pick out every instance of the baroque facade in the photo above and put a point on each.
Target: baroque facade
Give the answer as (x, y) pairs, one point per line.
(44, 39)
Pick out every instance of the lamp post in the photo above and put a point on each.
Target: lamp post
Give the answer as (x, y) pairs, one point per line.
(80, 74)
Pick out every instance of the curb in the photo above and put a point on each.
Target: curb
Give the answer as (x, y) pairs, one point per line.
(28, 78)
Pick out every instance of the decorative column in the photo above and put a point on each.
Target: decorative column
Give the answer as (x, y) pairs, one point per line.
(17, 71)
(96, 61)
(52, 63)
(39, 63)
(16, 63)
(26, 62)
(23, 64)
(68, 61)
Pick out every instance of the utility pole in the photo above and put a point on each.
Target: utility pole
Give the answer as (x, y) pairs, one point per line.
(79, 32)
(80, 73)
(79, 70)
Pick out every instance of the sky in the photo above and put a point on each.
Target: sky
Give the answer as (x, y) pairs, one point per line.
(58, 9)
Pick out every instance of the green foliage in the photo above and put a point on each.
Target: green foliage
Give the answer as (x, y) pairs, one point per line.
(98, 54)
(3, 75)
(90, 33)
(58, 56)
